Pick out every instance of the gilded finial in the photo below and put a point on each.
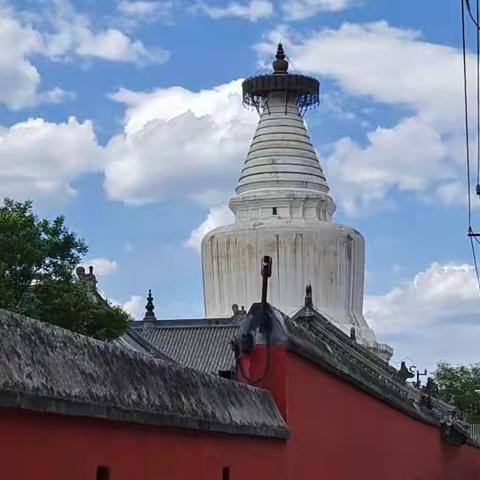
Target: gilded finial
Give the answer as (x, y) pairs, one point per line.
(280, 65)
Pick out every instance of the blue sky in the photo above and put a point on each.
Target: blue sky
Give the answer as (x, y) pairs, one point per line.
(125, 117)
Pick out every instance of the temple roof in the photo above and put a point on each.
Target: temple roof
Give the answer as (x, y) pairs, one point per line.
(133, 341)
(310, 335)
(48, 369)
(200, 344)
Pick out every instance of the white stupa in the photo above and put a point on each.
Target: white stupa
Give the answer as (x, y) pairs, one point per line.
(283, 209)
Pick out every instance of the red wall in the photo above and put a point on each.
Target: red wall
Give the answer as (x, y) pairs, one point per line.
(342, 433)
(266, 368)
(338, 433)
(54, 447)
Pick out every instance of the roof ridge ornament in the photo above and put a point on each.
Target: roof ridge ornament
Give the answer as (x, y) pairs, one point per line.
(149, 307)
(308, 296)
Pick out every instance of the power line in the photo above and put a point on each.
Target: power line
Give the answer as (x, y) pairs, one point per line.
(465, 100)
(476, 22)
(469, 10)
(478, 102)
(475, 261)
(471, 233)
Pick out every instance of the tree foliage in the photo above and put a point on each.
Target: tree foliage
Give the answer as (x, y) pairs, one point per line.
(37, 261)
(460, 385)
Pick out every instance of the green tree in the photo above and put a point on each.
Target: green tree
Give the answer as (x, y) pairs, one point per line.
(37, 261)
(460, 385)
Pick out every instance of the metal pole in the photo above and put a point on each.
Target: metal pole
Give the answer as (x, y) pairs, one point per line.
(266, 274)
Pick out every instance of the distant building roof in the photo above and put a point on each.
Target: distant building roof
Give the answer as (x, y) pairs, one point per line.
(133, 341)
(200, 344)
(205, 345)
(49, 369)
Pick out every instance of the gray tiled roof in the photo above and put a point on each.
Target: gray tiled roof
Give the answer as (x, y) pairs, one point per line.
(204, 347)
(133, 341)
(48, 369)
(312, 336)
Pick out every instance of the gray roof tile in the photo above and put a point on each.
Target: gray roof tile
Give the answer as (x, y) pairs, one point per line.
(49, 369)
(203, 347)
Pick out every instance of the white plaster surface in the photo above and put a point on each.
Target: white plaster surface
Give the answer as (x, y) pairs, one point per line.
(282, 209)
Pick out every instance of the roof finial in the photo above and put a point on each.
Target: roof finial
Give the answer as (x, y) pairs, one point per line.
(149, 307)
(308, 296)
(280, 65)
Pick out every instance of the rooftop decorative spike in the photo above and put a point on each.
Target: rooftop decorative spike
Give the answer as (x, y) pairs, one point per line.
(308, 296)
(149, 307)
(280, 65)
(304, 89)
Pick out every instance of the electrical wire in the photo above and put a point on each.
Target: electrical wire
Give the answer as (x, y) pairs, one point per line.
(295, 67)
(475, 262)
(478, 99)
(238, 353)
(471, 233)
(465, 99)
(469, 10)
(262, 68)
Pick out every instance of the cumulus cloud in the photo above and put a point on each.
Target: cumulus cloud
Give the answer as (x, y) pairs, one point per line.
(252, 10)
(393, 67)
(72, 34)
(136, 12)
(40, 159)
(20, 80)
(102, 266)
(217, 217)
(135, 307)
(301, 9)
(141, 7)
(409, 157)
(178, 143)
(57, 32)
(432, 317)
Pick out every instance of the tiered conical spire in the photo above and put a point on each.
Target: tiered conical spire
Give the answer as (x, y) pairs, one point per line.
(282, 167)
(281, 154)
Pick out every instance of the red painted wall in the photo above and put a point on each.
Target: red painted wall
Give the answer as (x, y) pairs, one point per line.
(265, 367)
(342, 433)
(36, 446)
(338, 433)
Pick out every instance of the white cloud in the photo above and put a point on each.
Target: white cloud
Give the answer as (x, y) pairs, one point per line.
(40, 159)
(135, 307)
(391, 65)
(301, 9)
(20, 80)
(134, 13)
(432, 317)
(217, 217)
(141, 7)
(178, 143)
(252, 10)
(73, 34)
(394, 67)
(408, 157)
(59, 33)
(102, 266)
